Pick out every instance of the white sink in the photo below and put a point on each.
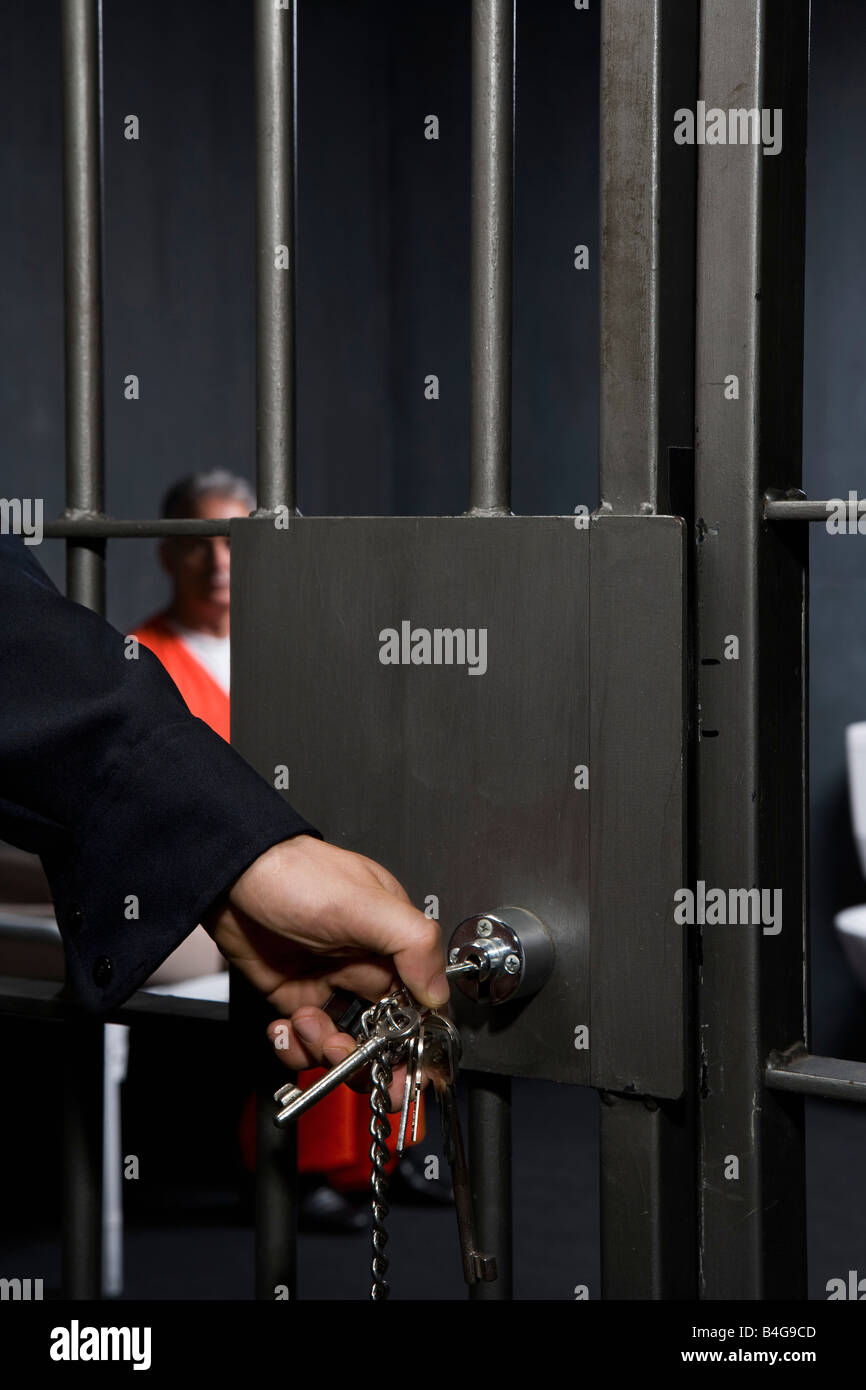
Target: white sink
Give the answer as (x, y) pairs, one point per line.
(851, 927)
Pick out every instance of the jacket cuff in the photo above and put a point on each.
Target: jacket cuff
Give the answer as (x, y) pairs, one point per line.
(179, 821)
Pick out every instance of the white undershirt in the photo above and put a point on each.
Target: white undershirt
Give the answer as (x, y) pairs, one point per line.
(212, 652)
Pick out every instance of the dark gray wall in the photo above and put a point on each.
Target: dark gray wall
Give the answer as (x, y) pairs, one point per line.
(382, 284)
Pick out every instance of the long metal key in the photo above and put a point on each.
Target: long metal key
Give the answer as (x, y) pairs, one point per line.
(441, 1059)
(412, 1091)
(396, 1024)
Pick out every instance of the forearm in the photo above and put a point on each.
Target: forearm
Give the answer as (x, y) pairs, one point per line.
(141, 814)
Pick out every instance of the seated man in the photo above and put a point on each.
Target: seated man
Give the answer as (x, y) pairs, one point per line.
(191, 635)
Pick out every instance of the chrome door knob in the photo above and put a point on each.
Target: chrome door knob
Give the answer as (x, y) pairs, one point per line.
(501, 955)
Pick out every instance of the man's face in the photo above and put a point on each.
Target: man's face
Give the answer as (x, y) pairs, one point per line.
(199, 566)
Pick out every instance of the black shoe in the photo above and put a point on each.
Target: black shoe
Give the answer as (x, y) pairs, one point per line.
(321, 1208)
(409, 1186)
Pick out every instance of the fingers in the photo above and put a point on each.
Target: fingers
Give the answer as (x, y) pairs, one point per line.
(415, 943)
(309, 1039)
(386, 925)
(327, 901)
(370, 979)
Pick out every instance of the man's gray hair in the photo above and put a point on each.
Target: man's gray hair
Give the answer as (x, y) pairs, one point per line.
(182, 496)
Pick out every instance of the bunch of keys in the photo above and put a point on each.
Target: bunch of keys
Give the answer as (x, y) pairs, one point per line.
(395, 1030)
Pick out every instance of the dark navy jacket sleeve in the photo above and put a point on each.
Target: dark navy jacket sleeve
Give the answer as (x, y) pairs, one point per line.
(142, 816)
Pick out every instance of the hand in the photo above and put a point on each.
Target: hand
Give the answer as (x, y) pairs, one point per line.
(308, 918)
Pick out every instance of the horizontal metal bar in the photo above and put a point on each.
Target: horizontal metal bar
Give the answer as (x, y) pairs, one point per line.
(800, 509)
(834, 1078)
(109, 526)
(38, 999)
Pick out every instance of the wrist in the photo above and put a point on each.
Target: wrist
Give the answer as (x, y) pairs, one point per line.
(251, 888)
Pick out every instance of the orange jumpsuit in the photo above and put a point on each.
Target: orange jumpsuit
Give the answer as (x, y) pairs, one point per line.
(333, 1137)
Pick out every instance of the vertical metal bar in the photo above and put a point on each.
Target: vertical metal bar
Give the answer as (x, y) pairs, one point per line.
(275, 50)
(649, 66)
(82, 240)
(648, 1251)
(83, 1047)
(275, 43)
(492, 209)
(751, 585)
(276, 1180)
(83, 1089)
(490, 1169)
(276, 1240)
(276, 1149)
(491, 268)
(647, 200)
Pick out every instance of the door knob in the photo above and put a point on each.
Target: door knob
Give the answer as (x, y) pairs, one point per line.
(502, 955)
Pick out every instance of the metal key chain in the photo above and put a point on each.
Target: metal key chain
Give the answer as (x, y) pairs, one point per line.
(380, 1128)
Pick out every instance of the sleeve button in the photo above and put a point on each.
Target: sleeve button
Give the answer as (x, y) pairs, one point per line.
(75, 919)
(103, 969)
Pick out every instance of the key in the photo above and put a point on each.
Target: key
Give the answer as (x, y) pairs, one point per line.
(418, 1086)
(415, 1071)
(389, 1025)
(412, 1091)
(346, 1011)
(441, 1061)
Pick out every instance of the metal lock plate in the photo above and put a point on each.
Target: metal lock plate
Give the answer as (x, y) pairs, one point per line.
(457, 775)
(426, 683)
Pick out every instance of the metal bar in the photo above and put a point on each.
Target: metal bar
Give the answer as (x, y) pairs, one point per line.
(751, 694)
(82, 241)
(492, 210)
(275, 48)
(647, 195)
(276, 1182)
(803, 509)
(38, 999)
(833, 1078)
(651, 1253)
(83, 1045)
(639, 990)
(83, 1089)
(106, 527)
(649, 66)
(275, 44)
(490, 1177)
(276, 1152)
